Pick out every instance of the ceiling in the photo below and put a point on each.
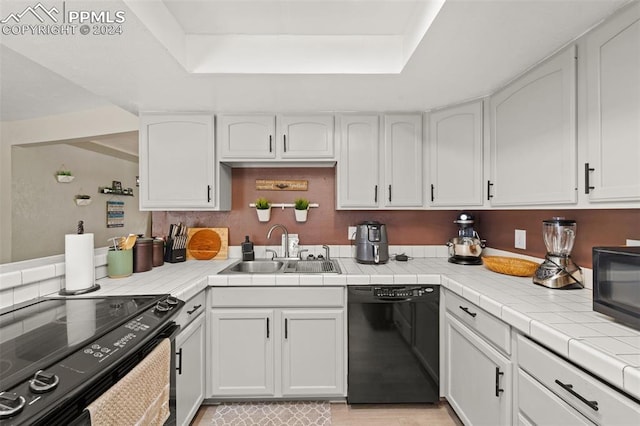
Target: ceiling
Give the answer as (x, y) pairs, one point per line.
(165, 59)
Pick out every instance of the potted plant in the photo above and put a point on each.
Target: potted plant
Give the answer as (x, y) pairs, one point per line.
(263, 207)
(301, 209)
(64, 176)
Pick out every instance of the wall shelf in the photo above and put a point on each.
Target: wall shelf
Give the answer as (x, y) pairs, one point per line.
(285, 205)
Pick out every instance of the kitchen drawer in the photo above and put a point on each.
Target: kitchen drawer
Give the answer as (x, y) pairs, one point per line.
(496, 331)
(594, 399)
(537, 405)
(194, 307)
(276, 297)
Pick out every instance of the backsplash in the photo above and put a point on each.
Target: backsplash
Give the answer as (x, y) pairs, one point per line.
(325, 225)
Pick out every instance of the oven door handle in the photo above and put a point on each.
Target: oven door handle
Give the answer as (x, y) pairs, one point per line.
(394, 300)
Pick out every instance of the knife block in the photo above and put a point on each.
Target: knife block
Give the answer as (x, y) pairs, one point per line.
(174, 255)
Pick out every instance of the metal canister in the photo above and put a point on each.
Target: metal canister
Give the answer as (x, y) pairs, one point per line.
(143, 255)
(158, 252)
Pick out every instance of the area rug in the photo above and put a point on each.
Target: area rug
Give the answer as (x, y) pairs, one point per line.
(280, 413)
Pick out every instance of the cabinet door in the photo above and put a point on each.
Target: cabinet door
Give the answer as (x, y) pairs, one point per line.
(613, 85)
(242, 352)
(176, 162)
(403, 160)
(305, 136)
(537, 405)
(455, 156)
(190, 370)
(358, 174)
(313, 352)
(478, 378)
(533, 136)
(246, 137)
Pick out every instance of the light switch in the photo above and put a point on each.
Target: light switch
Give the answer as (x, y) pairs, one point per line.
(521, 239)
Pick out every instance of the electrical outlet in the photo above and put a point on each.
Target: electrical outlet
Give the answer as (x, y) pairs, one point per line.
(352, 232)
(521, 239)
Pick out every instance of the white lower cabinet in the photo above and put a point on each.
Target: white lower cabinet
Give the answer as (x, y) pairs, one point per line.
(553, 391)
(478, 377)
(537, 405)
(257, 350)
(190, 367)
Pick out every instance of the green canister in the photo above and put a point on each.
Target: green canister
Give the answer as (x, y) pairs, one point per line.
(119, 263)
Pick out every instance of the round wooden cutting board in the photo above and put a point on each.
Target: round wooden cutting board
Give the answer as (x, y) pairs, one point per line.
(204, 244)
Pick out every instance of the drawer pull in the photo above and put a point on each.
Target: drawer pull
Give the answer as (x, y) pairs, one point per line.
(498, 374)
(179, 366)
(195, 308)
(464, 308)
(569, 388)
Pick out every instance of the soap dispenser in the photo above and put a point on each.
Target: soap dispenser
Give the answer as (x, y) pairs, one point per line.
(247, 249)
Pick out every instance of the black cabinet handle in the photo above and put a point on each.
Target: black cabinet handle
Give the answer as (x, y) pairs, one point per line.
(389, 193)
(286, 328)
(267, 327)
(195, 308)
(208, 193)
(284, 137)
(498, 389)
(432, 191)
(375, 194)
(489, 195)
(587, 187)
(569, 388)
(464, 308)
(270, 144)
(179, 366)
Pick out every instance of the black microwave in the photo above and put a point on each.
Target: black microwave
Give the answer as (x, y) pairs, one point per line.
(616, 283)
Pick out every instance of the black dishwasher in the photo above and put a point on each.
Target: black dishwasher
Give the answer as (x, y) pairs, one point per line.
(393, 344)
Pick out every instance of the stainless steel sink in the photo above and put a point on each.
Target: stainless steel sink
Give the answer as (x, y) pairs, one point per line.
(255, 267)
(265, 266)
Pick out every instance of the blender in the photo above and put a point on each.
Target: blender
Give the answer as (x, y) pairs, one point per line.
(466, 248)
(558, 270)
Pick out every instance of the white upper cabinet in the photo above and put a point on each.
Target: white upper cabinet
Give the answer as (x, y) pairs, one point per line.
(612, 170)
(358, 174)
(176, 162)
(246, 136)
(403, 160)
(455, 156)
(264, 137)
(375, 172)
(533, 136)
(305, 136)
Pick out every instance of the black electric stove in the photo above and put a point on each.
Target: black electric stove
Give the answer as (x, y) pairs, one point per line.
(55, 354)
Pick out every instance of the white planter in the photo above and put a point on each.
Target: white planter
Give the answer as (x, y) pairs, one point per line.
(264, 215)
(301, 215)
(83, 201)
(65, 178)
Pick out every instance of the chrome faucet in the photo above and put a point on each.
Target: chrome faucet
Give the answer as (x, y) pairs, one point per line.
(285, 253)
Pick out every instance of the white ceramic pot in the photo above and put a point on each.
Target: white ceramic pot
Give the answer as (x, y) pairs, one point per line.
(264, 215)
(301, 215)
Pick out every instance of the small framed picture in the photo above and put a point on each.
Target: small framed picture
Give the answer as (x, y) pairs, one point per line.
(117, 185)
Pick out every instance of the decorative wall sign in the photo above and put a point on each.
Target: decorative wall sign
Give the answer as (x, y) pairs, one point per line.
(282, 185)
(115, 214)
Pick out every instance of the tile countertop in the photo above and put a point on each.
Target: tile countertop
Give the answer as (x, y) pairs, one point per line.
(563, 321)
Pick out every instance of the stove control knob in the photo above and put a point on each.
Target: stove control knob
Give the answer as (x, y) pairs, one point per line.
(43, 382)
(162, 307)
(10, 404)
(172, 301)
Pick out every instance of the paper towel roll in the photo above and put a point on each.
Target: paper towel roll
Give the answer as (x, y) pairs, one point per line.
(78, 258)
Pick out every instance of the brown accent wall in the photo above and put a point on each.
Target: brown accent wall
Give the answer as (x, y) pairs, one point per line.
(325, 225)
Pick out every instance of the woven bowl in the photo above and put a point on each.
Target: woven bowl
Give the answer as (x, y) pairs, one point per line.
(510, 265)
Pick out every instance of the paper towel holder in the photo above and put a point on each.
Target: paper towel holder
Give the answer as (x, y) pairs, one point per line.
(65, 292)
